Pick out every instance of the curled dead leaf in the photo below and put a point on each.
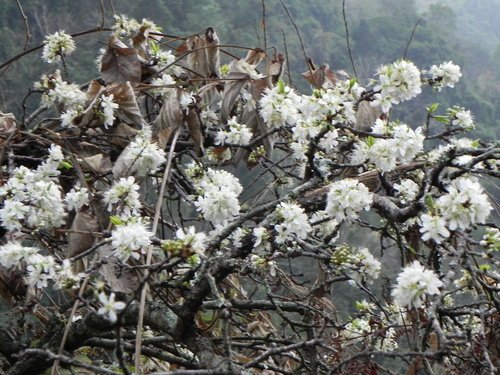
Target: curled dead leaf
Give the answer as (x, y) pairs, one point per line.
(120, 63)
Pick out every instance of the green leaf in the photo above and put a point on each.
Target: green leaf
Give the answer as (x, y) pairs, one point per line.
(484, 267)
(65, 165)
(429, 202)
(370, 141)
(281, 86)
(352, 82)
(115, 220)
(432, 108)
(443, 119)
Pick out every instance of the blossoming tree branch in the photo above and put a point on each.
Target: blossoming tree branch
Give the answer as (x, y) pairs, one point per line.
(187, 212)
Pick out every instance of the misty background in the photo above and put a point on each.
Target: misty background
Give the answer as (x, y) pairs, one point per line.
(463, 31)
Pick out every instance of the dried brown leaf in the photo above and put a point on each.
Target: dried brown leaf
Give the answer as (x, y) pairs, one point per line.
(124, 96)
(7, 123)
(81, 237)
(120, 63)
(194, 125)
(318, 77)
(204, 57)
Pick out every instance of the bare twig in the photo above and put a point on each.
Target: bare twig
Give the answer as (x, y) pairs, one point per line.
(27, 36)
(298, 33)
(347, 39)
(103, 13)
(149, 257)
(411, 38)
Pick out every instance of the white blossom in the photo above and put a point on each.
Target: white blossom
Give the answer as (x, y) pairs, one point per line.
(346, 198)
(123, 197)
(218, 195)
(76, 198)
(278, 106)
(130, 240)
(261, 236)
(465, 204)
(57, 44)
(65, 278)
(462, 118)
(108, 107)
(195, 240)
(141, 156)
(356, 330)
(238, 134)
(13, 252)
(386, 342)
(413, 284)
(445, 75)
(41, 269)
(65, 96)
(407, 190)
(359, 264)
(110, 307)
(491, 239)
(218, 205)
(33, 198)
(163, 86)
(68, 117)
(293, 222)
(433, 227)
(187, 99)
(397, 82)
(264, 264)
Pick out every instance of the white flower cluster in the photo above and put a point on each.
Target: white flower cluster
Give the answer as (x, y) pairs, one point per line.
(491, 239)
(444, 75)
(40, 269)
(293, 223)
(463, 206)
(162, 86)
(108, 107)
(12, 253)
(413, 284)
(130, 239)
(165, 61)
(397, 82)
(110, 307)
(32, 198)
(218, 196)
(192, 239)
(461, 118)
(127, 27)
(141, 157)
(403, 146)
(57, 45)
(264, 264)
(279, 106)
(76, 198)
(123, 198)
(407, 190)
(238, 134)
(359, 264)
(359, 329)
(346, 198)
(65, 96)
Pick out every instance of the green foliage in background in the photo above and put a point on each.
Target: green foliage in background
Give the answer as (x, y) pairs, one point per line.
(462, 31)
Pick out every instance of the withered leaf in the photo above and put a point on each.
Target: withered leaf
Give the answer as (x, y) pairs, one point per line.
(120, 63)
(203, 58)
(7, 123)
(318, 77)
(194, 125)
(81, 237)
(124, 96)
